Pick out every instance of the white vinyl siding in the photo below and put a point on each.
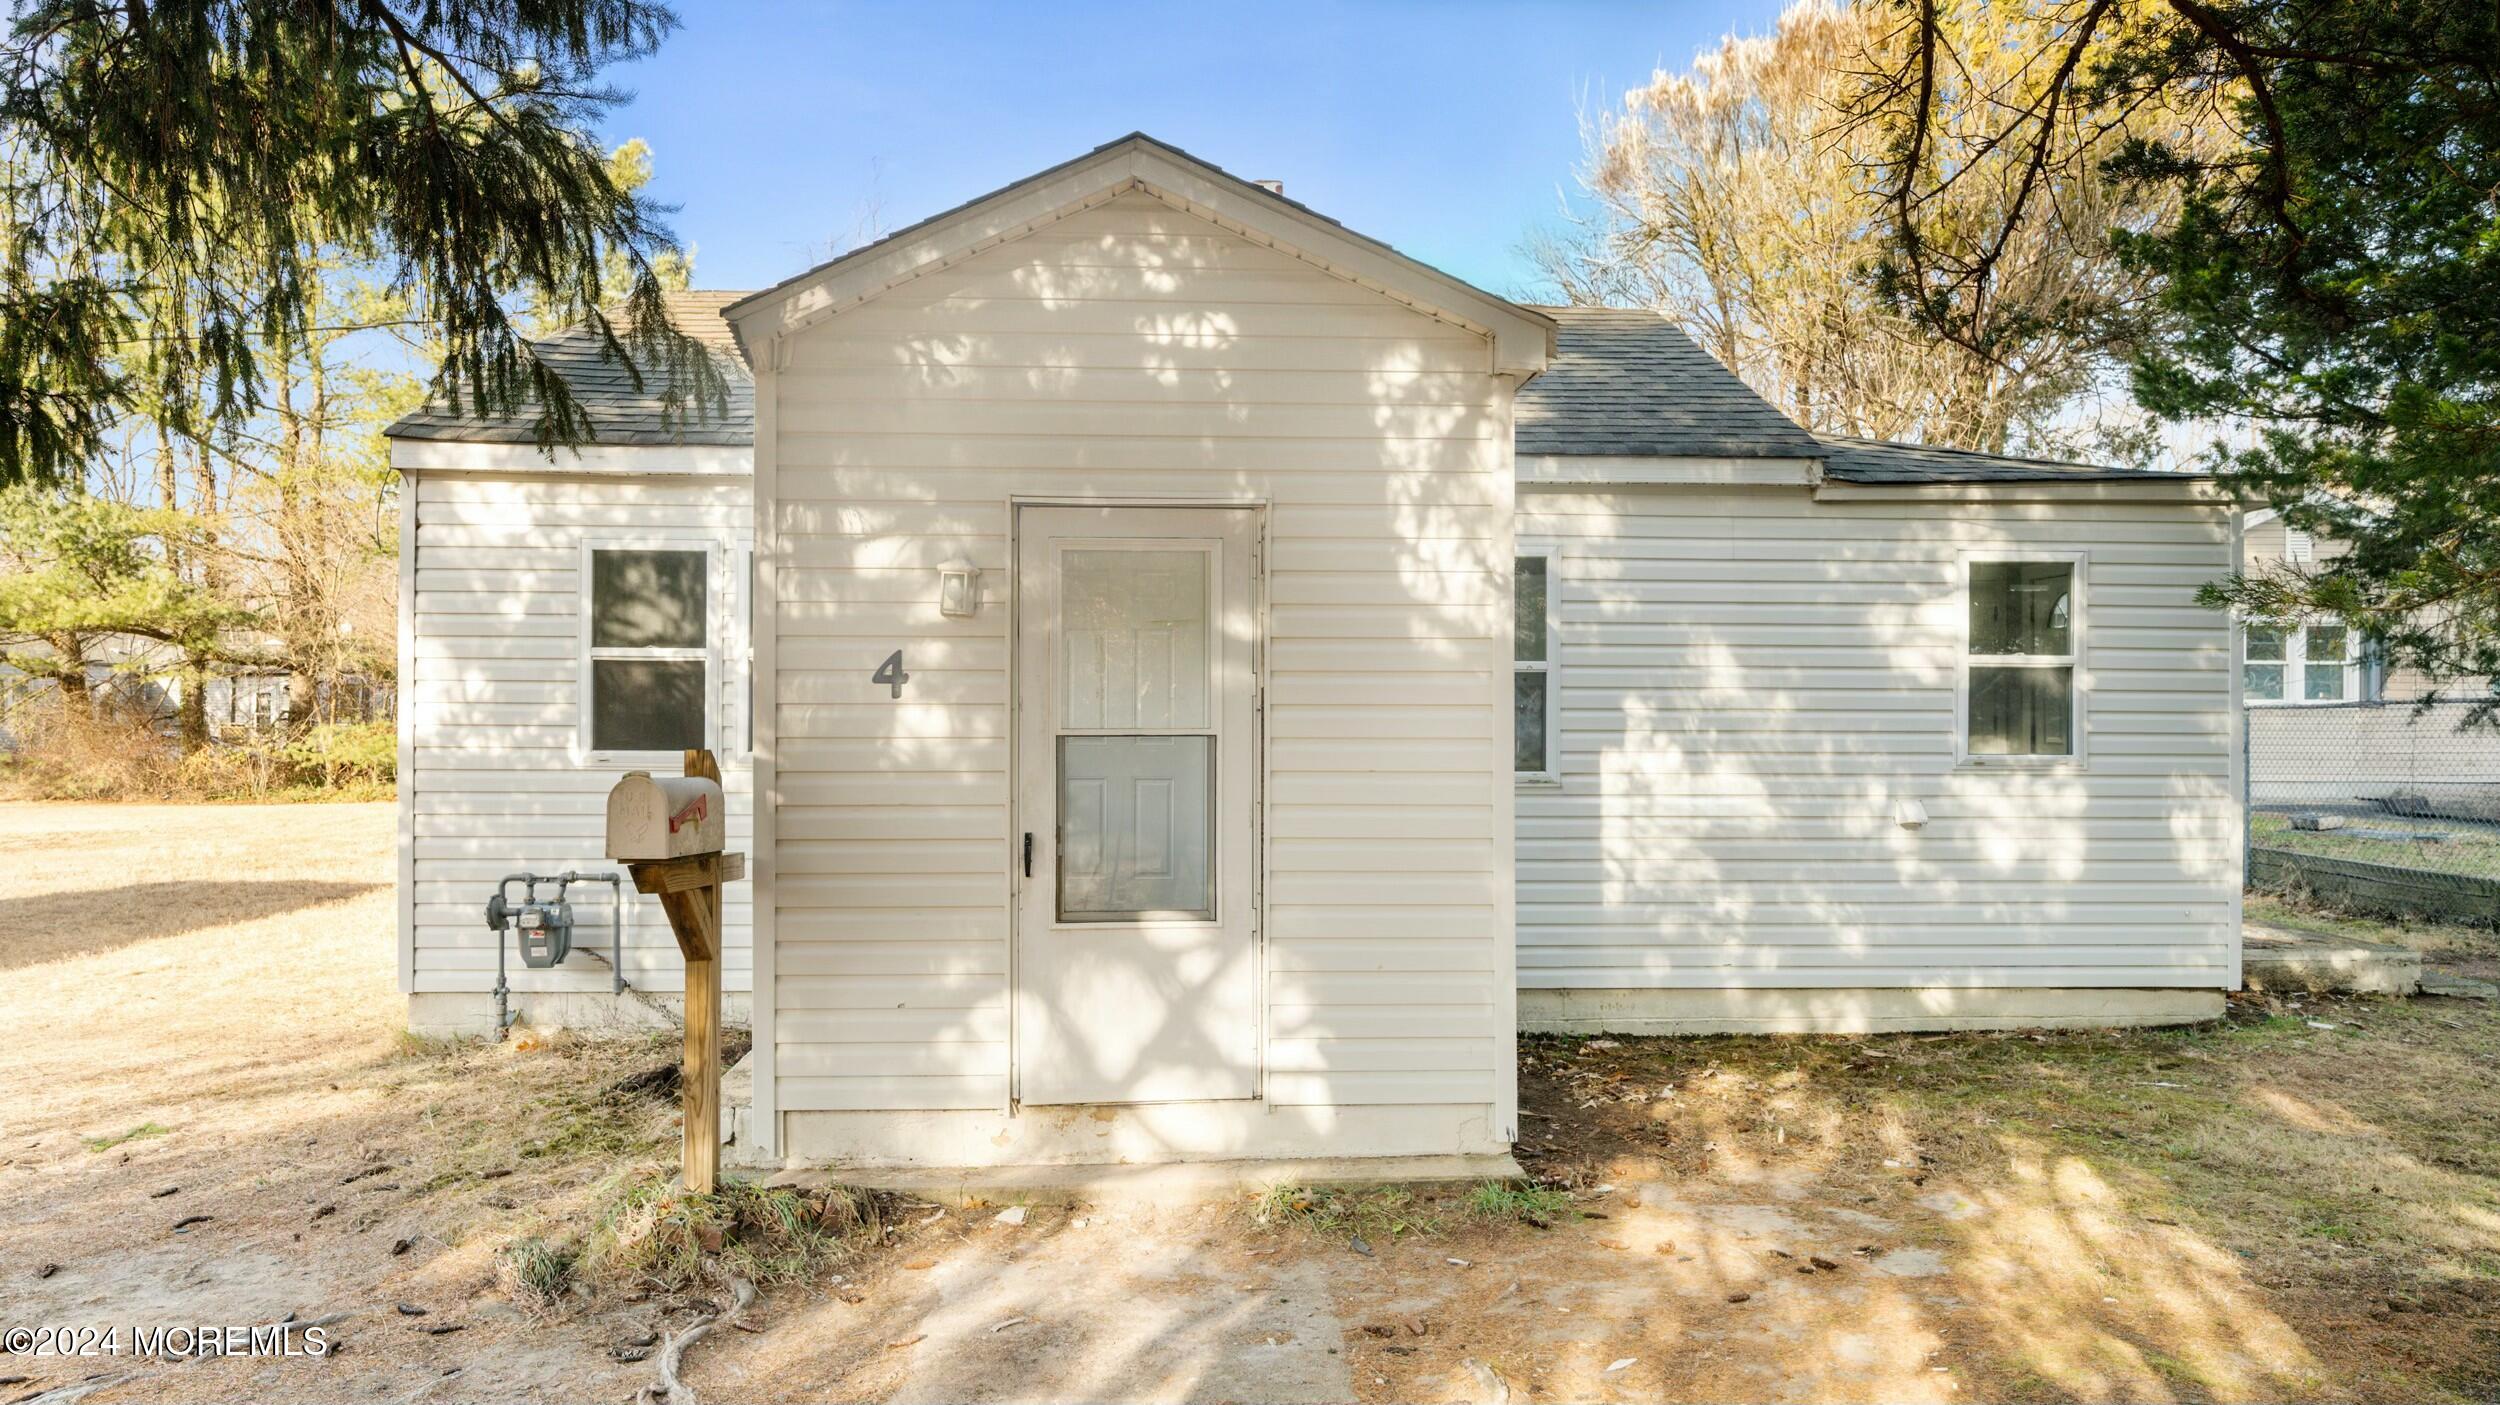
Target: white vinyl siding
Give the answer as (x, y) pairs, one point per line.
(1753, 680)
(1134, 351)
(499, 781)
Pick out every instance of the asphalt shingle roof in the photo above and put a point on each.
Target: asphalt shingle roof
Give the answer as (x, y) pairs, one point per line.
(619, 413)
(1627, 381)
(1880, 461)
(1622, 382)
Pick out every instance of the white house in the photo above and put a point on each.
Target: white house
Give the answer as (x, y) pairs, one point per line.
(1196, 682)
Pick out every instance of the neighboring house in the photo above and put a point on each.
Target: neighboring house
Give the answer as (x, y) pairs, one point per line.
(2333, 727)
(143, 678)
(1312, 671)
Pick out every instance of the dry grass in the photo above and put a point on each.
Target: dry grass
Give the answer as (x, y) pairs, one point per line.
(2471, 950)
(2303, 1202)
(224, 976)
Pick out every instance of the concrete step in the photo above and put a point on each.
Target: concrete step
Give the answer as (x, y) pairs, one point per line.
(2457, 987)
(2279, 959)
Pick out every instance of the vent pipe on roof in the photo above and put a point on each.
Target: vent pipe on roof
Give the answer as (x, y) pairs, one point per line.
(1271, 187)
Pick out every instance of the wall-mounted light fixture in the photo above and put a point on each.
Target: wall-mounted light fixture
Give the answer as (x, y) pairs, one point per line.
(959, 589)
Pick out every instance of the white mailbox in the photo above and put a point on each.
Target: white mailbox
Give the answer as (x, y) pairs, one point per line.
(665, 817)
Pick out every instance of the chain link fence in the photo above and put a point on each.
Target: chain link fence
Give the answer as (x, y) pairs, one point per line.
(2383, 807)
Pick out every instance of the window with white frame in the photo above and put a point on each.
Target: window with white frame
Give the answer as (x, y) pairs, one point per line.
(2319, 662)
(648, 669)
(2019, 669)
(1532, 672)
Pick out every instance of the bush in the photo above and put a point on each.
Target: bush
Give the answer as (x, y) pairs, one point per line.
(63, 756)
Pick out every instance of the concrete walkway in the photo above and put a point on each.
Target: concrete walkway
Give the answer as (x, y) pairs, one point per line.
(2281, 959)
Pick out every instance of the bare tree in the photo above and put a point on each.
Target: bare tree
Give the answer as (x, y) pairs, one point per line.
(1742, 199)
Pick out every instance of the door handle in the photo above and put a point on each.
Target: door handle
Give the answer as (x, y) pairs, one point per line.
(1028, 853)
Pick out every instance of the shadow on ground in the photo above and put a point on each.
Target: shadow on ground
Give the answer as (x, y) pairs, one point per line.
(49, 926)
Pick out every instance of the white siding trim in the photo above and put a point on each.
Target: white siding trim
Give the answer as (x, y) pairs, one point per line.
(2181, 489)
(599, 460)
(1504, 798)
(1631, 470)
(763, 1116)
(406, 713)
(2239, 762)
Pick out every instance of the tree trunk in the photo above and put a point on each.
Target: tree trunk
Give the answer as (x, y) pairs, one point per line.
(69, 652)
(194, 704)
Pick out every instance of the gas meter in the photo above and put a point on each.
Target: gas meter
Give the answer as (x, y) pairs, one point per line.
(544, 926)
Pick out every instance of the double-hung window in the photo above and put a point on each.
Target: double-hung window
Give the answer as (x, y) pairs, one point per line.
(1533, 684)
(2020, 699)
(648, 657)
(2318, 662)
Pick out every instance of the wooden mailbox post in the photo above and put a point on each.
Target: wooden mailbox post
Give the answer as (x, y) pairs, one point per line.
(688, 885)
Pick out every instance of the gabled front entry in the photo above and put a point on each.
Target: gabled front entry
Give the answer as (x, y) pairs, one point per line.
(1136, 788)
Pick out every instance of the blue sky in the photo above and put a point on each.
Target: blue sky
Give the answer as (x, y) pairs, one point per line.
(783, 131)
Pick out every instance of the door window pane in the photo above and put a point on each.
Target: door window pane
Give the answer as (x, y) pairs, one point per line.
(647, 599)
(2021, 607)
(2021, 711)
(1529, 645)
(646, 704)
(1134, 639)
(1136, 828)
(1528, 725)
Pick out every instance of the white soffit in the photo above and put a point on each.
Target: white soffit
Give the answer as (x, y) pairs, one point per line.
(598, 460)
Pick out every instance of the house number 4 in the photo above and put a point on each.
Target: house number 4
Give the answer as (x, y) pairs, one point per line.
(891, 673)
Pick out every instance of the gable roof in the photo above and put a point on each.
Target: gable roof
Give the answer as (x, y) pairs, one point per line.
(1522, 337)
(1881, 461)
(620, 413)
(1628, 381)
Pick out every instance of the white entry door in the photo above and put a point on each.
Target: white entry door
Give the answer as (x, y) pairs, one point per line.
(1136, 797)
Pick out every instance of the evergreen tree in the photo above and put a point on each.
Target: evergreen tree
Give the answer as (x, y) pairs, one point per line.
(173, 171)
(2331, 279)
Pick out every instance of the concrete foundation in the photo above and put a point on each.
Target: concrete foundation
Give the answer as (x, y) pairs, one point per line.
(1128, 1135)
(1872, 1010)
(464, 1014)
(1185, 1181)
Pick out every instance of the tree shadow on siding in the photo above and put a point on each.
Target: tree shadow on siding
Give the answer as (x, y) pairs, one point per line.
(49, 926)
